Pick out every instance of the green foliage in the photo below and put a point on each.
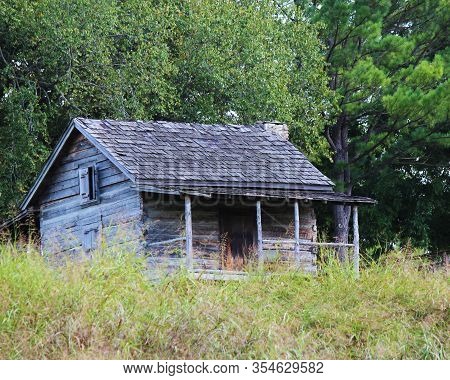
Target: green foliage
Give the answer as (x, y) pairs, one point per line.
(107, 308)
(413, 196)
(23, 142)
(196, 60)
(388, 64)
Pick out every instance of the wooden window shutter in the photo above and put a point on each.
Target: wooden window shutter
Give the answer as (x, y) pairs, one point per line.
(90, 239)
(84, 184)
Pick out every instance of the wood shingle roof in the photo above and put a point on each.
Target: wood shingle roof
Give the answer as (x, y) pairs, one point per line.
(165, 153)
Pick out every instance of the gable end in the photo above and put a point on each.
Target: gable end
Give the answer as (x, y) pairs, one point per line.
(56, 153)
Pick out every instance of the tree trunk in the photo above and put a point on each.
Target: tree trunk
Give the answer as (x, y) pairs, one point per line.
(341, 216)
(341, 213)
(337, 136)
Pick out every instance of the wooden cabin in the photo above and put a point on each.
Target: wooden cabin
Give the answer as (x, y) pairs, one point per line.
(210, 197)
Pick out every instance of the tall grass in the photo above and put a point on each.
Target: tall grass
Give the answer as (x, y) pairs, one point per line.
(107, 308)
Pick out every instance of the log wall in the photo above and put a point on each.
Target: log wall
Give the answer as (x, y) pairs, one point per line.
(67, 225)
(163, 219)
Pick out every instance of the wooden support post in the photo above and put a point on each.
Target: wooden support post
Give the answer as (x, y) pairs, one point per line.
(355, 240)
(297, 231)
(259, 234)
(188, 222)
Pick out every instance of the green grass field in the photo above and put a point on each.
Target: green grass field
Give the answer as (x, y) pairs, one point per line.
(107, 308)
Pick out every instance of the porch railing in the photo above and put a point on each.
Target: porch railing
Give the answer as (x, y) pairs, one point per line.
(301, 253)
(296, 242)
(308, 243)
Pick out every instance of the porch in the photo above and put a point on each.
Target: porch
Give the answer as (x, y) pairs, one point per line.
(198, 243)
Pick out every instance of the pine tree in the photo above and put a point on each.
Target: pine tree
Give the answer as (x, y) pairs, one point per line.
(388, 66)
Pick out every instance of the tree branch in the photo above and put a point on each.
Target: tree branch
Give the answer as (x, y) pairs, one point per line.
(379, 143)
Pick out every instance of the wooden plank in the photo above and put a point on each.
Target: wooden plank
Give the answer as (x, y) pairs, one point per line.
(312, 243)
(205, 275)
(303, 256)
(206, 264)
(105, 171)
(297, 229)
(281, 241)
(197, 194)
(223, 271)
(63, 184)
(127, 231)
(166, 241)
(121, 217)
(79, 155)
(122, 190)
(355, 240)
(61, 177)
(73, 165)
(60, 194)
(103, 164)
(188, 222)
(259, 234)
(112, 180)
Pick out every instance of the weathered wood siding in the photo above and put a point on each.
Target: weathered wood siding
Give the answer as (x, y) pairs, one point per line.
(65, 222)
(163, 219)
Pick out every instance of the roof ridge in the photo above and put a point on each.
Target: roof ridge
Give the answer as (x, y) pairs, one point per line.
(256, 125)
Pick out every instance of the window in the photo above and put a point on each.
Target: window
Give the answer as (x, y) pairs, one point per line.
(88, 184)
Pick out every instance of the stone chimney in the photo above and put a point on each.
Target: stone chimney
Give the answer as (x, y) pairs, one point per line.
(277, 127)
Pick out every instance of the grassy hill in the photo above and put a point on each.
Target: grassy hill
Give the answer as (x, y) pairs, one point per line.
(107, 308)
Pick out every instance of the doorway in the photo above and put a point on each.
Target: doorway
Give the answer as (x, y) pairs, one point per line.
(237, 236)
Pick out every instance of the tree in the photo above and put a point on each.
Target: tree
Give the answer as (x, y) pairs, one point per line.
(388, 66)
(60, 59)
(192, 60)
(412, 186)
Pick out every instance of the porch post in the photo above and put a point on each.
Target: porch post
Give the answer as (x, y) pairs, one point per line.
(297, 231)
(188, 223)
(355, 240)
(259, 234)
